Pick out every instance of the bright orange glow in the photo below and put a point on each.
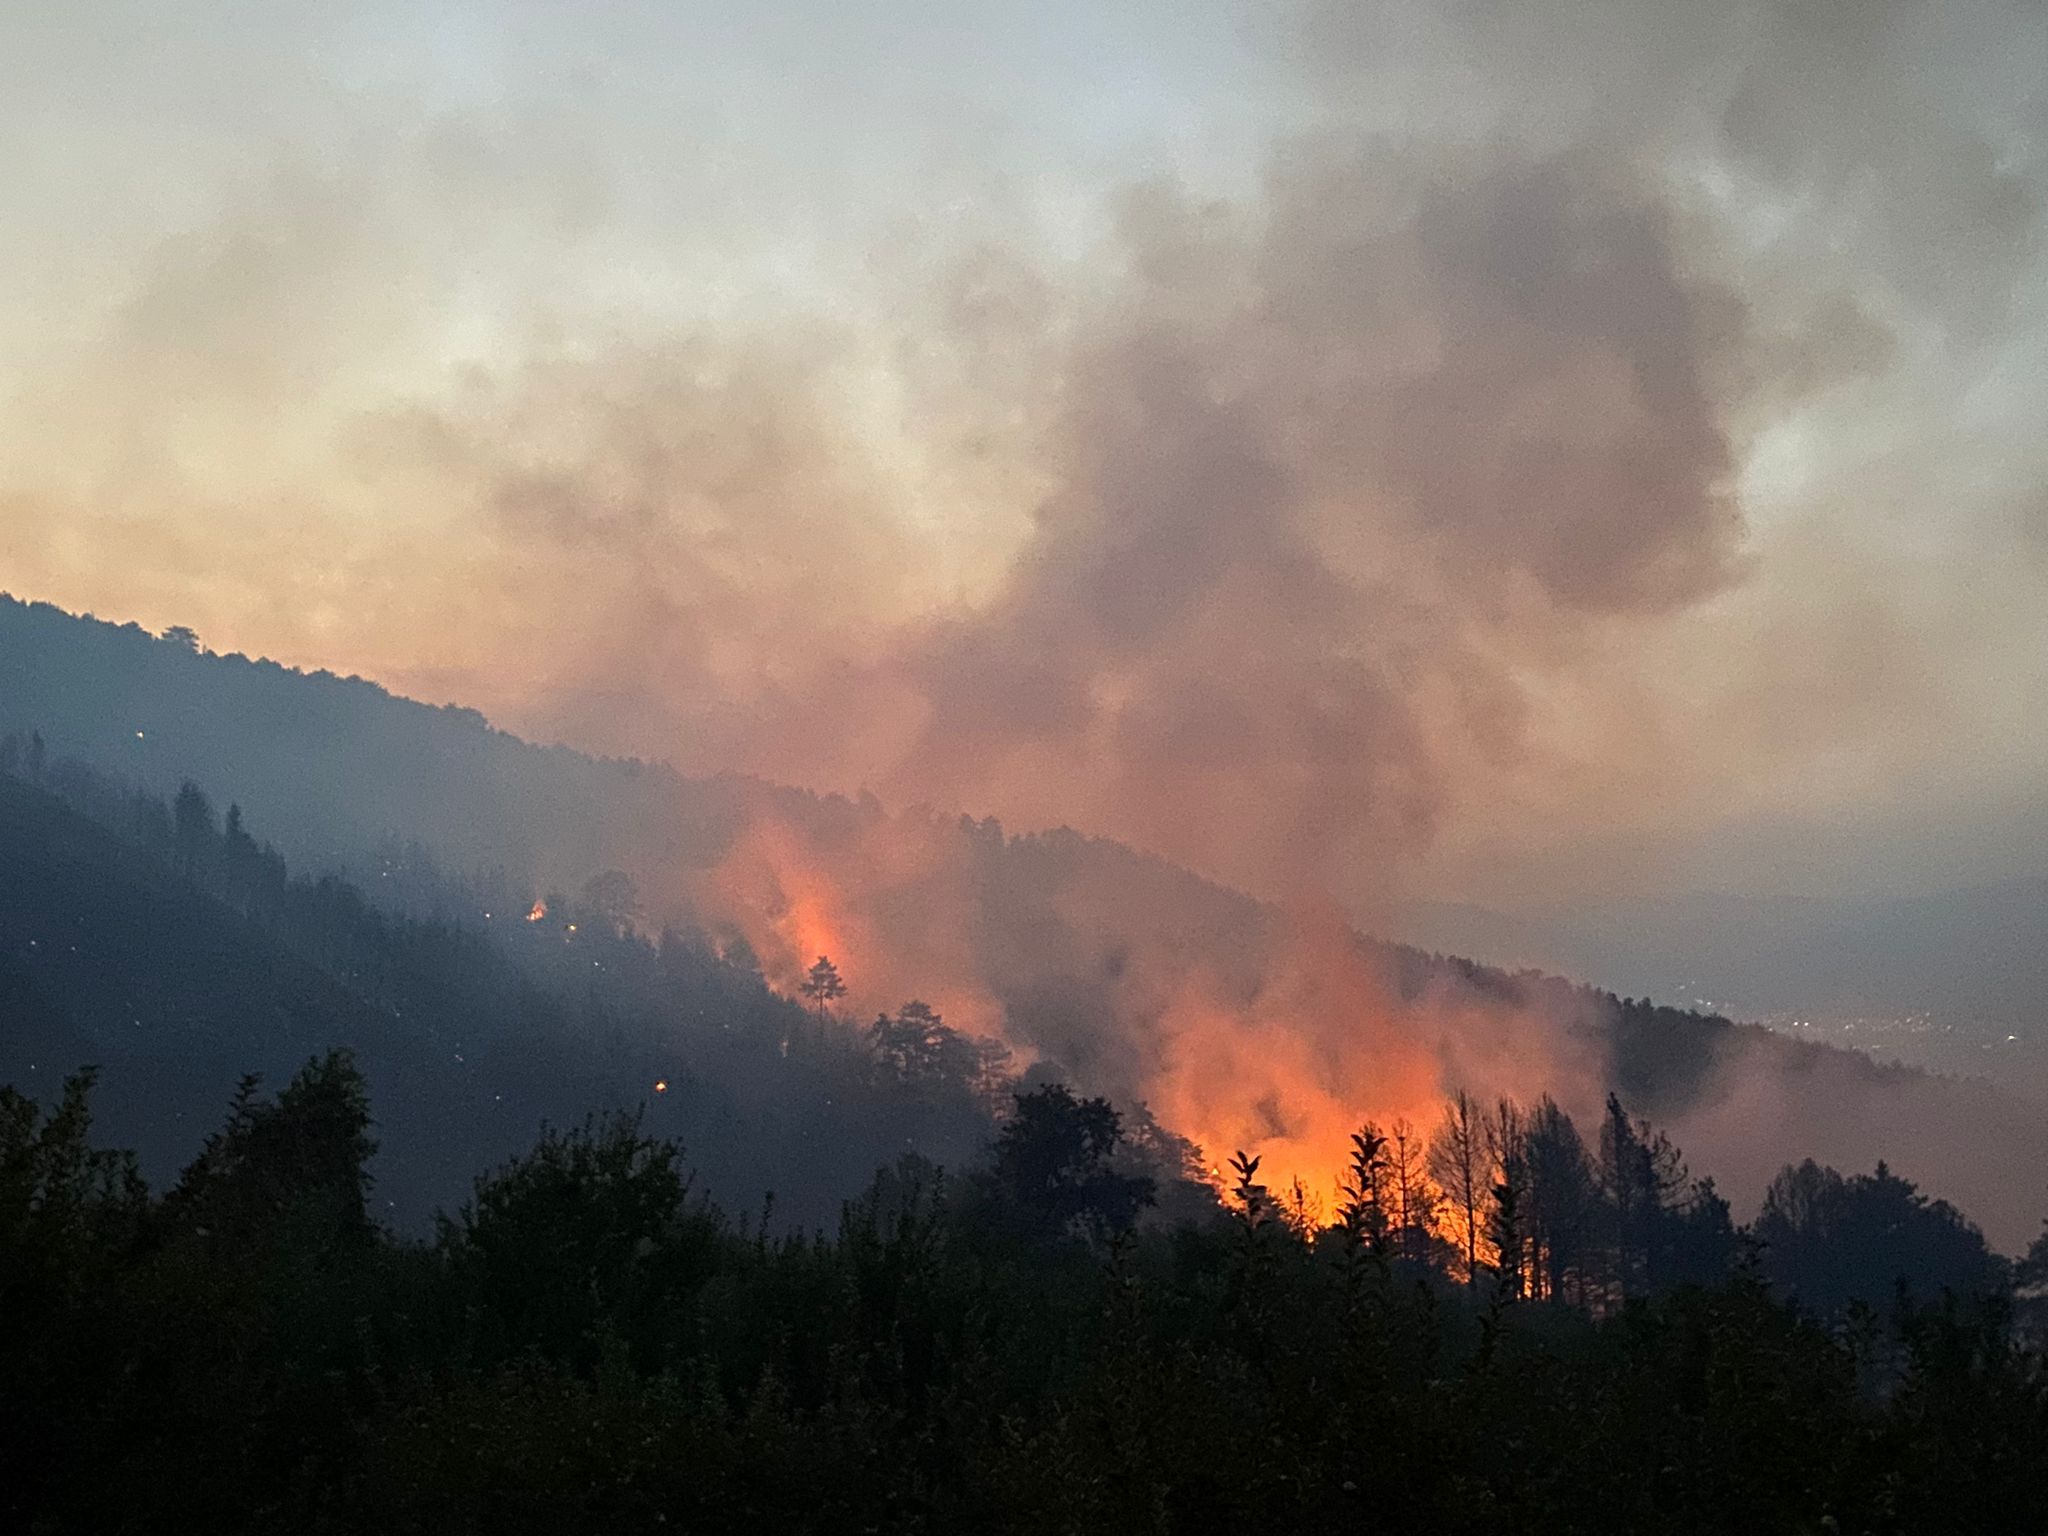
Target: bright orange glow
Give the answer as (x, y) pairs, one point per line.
(1281, 1049)
(661, 1085)
(794, 898)
(1288, 1073)
(539, 911)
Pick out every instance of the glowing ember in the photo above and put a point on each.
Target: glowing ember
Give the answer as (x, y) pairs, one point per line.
(661, 1085)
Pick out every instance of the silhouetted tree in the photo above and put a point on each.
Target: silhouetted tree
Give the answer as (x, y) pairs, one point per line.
(192, 827)
(1701, 1246)
(1829, 1241)
(1641, 1177)
(296, 1168)
(1053, 1164)
(1562, 1202)
(822, 986)
(1301, 1210)
(1458, 1163)
(916, 1046)
(1362, 1219)
(1504, 1228)
(1369, 1210)
(1414, 1203)
(586, 1235)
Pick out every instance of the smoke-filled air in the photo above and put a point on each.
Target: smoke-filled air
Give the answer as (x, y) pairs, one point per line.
(1403, 603)
(1364, 454)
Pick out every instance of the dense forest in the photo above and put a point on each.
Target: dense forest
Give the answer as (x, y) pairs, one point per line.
(1040, 1312)
(160, 940)
(589, 1343)
(352, 784)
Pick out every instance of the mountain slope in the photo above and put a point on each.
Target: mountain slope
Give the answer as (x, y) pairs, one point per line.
(115, 955)
(1238, 1023)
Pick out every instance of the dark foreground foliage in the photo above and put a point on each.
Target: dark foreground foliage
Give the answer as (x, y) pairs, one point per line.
(591, 1345)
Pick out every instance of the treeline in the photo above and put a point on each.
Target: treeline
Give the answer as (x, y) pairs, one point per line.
(482, 984)
(176, 939)
(1519, 1194)
(591, 1344)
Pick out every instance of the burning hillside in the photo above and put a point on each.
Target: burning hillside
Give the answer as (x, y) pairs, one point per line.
(1243, 1025)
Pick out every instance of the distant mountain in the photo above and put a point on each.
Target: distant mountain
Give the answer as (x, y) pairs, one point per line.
(1114, 970)
(1975, 958)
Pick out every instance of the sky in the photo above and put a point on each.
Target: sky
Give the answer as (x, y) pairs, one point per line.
(1507, 454)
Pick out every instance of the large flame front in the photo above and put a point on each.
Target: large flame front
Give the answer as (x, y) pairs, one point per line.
(1290, 1072)
(1282, 1053)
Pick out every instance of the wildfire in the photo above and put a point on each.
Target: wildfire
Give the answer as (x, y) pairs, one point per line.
(1288, 1073)
(1278, 1037)
(538, 911)
(877, 901)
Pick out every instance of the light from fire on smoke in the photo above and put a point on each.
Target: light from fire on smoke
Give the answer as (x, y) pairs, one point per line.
(1281, 1053)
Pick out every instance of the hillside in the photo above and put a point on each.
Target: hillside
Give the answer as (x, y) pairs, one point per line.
(156, 961)
(1236, 1023)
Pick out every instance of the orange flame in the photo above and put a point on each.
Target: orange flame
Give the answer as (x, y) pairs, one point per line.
(1288, 1073)
(1278, 1035)
(795, 898)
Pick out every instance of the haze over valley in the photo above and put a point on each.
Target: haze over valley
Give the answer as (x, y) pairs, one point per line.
(1161, 765)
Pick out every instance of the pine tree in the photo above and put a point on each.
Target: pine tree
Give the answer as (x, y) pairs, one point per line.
(192, 816)
(1506, 1147)
(1414, 1202)
(1563, 1198)
(1364, 1212)
(822, 986)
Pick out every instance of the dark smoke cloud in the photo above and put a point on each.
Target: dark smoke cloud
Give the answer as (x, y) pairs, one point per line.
(1900, 130)
(1384, 488)
(1330, 471)
(1319, 480)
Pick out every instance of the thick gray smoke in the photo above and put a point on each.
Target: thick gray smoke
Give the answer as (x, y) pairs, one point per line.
(1452, 454)
(1521, 442)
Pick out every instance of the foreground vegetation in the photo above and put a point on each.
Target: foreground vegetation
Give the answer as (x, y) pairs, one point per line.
(1505, 1323)
(589, 1344)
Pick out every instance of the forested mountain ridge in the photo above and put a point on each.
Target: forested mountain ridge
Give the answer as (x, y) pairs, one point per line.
(1051, 928)
(102, 960)
(978, 1300)
(163, 945)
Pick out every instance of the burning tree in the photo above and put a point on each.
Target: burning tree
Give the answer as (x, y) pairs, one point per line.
(1458, 1163)
(822, 986)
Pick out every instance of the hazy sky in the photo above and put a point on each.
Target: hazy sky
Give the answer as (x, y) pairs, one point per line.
(1471, 449)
